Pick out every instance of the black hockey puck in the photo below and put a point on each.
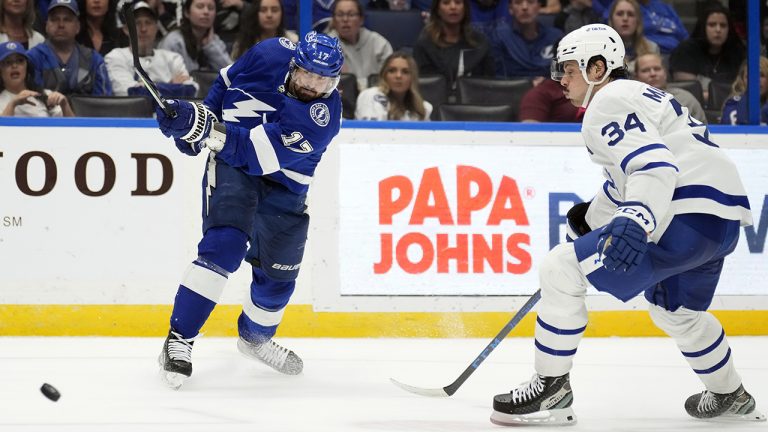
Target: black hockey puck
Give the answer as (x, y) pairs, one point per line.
(50, 392)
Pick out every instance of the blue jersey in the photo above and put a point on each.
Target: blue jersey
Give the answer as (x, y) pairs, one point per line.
(270, 133)
(517, 57)
(84, 73)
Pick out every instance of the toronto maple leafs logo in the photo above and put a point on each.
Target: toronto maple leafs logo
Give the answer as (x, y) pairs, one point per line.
(287, 43)
(320, 115)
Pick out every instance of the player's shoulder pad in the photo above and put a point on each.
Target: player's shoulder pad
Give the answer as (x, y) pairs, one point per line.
(620, 97)
(620, 91)
(279, 43)
(276, 49)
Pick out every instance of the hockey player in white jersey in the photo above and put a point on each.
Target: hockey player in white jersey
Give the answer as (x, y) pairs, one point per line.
(668, 213)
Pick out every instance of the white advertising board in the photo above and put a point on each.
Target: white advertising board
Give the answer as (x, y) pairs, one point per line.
(478, 219)
(102, 215)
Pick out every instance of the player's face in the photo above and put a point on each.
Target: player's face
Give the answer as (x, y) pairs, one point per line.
(13, 70)
(398, 76)
(270, 15)
(717, 29)
(347, 20)
(451, 11)
(62, 25)
(574, 85)
(308, 86)
(201, 13)
(624, 19)
(650, 71)
(524, 11)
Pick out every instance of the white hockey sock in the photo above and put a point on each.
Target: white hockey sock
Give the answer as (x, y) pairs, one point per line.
(204, 280)
(562, 316)
(701, 339)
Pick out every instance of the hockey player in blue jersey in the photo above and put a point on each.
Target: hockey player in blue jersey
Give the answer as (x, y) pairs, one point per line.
(668, 213)
(267, 120)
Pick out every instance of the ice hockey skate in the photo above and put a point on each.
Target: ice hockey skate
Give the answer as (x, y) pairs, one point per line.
(176, 360)
(541, 401)
(273, 355)
(736, 406)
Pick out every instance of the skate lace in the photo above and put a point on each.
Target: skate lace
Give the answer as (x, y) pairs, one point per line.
(708, 402)
(534, 387)
(180, 348)
(272, 353)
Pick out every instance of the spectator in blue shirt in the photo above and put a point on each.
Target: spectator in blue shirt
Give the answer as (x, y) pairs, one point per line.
(735, 111)
(484, 13)
(661, 24)
(523, 47)
(63, 65)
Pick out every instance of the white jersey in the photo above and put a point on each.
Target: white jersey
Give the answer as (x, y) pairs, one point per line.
(655, 156)
(373, 104)
(162, 66)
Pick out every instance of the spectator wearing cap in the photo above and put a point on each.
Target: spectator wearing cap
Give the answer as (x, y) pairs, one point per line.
(63, 65)
(165, 68)
(20, 96)
(196, 40)
(98, 25)
(17, 18)
(364, 50)
(522, 46)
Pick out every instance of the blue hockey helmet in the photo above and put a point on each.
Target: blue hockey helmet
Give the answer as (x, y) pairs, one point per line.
(320, 58)
(320, 54)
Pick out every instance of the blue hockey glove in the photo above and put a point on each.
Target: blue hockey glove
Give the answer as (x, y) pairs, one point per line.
(622, 245)
(192, 123)
(191, 149)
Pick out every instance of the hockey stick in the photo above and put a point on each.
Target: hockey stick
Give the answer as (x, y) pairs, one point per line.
(130, 22)
(451, 388)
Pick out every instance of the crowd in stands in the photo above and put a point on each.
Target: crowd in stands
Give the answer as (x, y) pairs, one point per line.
(54, 50)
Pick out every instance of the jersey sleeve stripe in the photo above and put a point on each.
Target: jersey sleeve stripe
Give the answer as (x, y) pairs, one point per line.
(608, 194)
(708, 192)
(653, 165)
(640, 151)
(264, 151)
(224, 76)
(297, 177)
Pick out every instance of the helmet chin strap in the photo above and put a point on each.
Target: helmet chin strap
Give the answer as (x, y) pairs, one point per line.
(591, 87)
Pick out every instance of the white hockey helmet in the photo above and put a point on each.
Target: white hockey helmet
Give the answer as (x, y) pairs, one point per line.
(585, 43)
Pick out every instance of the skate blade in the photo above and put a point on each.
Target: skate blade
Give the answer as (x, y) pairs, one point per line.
(754, 416)
(553, 417)
(173, 380)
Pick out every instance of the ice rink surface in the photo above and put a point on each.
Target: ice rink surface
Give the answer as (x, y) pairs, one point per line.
(111, 384)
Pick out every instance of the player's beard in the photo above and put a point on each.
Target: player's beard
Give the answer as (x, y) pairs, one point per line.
(302, 94)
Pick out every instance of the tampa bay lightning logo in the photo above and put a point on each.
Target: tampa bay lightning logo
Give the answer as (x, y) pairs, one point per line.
(287, 43)
(320, 115)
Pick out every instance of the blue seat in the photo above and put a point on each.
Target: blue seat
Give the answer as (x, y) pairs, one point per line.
(400, 28)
